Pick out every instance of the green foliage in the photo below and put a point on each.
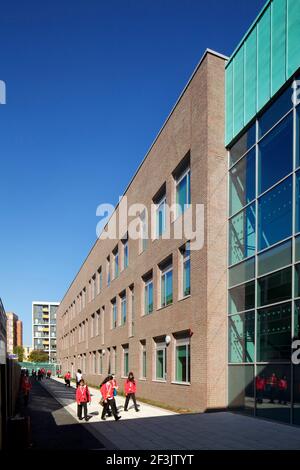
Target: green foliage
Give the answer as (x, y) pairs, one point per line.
(19, 351)
(38, 355)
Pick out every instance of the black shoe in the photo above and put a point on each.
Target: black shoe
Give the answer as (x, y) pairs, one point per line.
(80, 419)
(118, 417)
(103, 419)
(87, 419)
(137, 410)
(125, 410)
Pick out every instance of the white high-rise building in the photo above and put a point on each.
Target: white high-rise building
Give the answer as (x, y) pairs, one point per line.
(44, 327)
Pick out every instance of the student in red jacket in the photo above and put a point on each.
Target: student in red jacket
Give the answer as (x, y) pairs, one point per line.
(107, 392)
(26, 387)
(282, 389)
(260, 388)
(67, 379)
(83, 397)
(130, 390)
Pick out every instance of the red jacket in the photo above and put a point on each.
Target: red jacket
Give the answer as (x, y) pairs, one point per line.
(26, 385)
(68, 376)
(260, 383)
(83, 394)
(130, 387)
(107, 390)
(282, 384)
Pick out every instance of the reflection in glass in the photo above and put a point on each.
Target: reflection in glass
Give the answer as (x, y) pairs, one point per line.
(275, 287)
(275, 258)
(273, 392)
(241, 337)
(243, 144)
(275, 112)
(275, 215)
(274, 326)
(242, 183)
(241, 388)
(242, 298)
(242, 235)
(242, 272)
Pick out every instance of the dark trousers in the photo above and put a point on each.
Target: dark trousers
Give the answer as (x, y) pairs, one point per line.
(67, 382)
(26, 398)
(130, 395)
(112, 405)
(79, 410)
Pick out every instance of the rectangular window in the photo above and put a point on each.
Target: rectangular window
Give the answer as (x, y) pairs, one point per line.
(166, 286)
(143, 360)
(182, 361)
(275, 112)
(125, 361)
(125, 254)
(116, 262)
(143, 231)
(183, 191)
(99, 280)
(242, 297)
(242, 272)
(274, 326)
(161, 217)
(100, 362)
(185, 270)
(93, 285)
(243, 144)
(93, 325)
(97, 323)
(275, 154)
(275, 287)
(242, 235)
(123, 309)
(242, 183)
(161, 362)
(275, 258)
(275, 215)
(84, 298)
(148, 296)
(114, 314)
(108, 271)
(242, 337)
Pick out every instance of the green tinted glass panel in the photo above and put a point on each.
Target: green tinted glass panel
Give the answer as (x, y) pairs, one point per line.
(241, 337)
(241, 388)
(229, 102)
(242, 298)
(242, 183)
(238, 90)
(278, 44)
(276, 258)
(242, 235)
(250, 76)
(293, 49)
(182, 363)
(160, 364)
(242, 272)
(264, 58)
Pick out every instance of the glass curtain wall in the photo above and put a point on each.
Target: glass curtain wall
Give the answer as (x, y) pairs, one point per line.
(264, 264)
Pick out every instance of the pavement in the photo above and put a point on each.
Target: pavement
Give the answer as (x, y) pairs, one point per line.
(154, 428)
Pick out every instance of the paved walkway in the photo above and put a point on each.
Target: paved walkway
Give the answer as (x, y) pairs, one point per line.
(154, 428)
(52, 427)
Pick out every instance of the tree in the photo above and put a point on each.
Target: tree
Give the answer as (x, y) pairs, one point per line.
(38, 355)
(19, 351)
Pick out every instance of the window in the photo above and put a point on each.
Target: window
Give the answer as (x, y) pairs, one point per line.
(241, 388)
(84, 298)
(275, 112)
(241, 337)
(100, 362)
(143, 231)
(182, 361)
(99, 280)
(161, 216)
(116, 262)
(275, 154)
(274, 333)
(98, 319)
(148, 286)
(143, 360)
(93, 285)
(242, 183)
(275, 258)
(94, 363)
(114, 314)
(242, 298)
(166, 286)
(125, 361)
(93, 325)
(243, 144)
(185, 270)
(183, 191)
(161, 361)
(275, 215)
(123, 309)
(242, 235)
(108, 271)
(275, 287)
(125, 253)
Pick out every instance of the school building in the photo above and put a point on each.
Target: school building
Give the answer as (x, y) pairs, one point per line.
(203, 329)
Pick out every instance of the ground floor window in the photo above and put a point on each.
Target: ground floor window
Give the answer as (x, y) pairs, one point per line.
(125, 361)
(161, 362)
(182, 361)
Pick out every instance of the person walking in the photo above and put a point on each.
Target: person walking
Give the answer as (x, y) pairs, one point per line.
(67, 379)
(273, 382)
(48, 374)
(39, 375)
(26, 387)
(282, 390)
(130, 391)
(108, 399)
(78, 377)
(83, 397)
(260, 388)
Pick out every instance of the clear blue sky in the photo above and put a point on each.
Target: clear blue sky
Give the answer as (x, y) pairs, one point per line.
(89, 84)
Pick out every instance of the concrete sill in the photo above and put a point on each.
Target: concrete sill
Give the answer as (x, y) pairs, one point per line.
(184, 298)
(159, 381)
(186, 384)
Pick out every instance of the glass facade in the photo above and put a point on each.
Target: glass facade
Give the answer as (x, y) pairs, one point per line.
(263, 273)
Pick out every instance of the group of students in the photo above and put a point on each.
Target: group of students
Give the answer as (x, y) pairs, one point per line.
(108, 389)
(40, 374)
(273, 386)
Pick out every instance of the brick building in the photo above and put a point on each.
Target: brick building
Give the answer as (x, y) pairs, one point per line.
(157, 307)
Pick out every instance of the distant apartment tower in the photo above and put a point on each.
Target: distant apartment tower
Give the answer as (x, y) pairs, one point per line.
(14, 332)
(44, 327)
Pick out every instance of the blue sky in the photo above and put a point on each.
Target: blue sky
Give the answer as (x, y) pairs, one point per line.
(89, 84)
